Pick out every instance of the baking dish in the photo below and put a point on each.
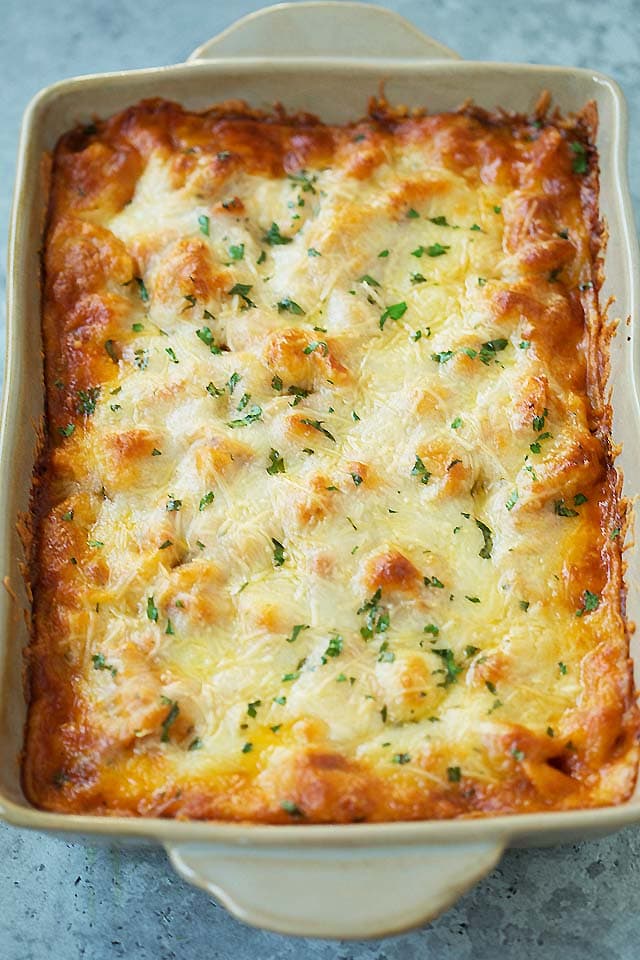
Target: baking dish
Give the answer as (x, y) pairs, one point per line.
(323, 881)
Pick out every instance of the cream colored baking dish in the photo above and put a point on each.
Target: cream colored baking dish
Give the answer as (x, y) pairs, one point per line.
(330, 881)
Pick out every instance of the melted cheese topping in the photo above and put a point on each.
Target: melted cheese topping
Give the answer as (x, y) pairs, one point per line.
(327, 517)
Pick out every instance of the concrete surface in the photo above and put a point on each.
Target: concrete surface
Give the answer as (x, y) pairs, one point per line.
(61, 899)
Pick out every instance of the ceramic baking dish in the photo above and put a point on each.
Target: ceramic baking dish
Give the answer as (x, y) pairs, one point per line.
(330, 881)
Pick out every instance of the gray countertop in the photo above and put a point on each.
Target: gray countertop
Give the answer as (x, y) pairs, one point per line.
(68, 899)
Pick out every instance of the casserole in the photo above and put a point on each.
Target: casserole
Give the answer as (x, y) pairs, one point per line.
(471, 847)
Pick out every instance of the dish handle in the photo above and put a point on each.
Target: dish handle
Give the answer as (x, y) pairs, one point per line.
(322, 28)
(336, 892)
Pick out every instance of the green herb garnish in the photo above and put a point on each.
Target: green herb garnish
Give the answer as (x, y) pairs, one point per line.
(276, 463)
(393, 312)
(274, 238)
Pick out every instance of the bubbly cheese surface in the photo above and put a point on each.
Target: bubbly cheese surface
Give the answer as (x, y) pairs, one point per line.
(327, 527)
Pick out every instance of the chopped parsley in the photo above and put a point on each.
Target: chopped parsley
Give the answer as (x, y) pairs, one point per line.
(236, 251)
(171, 354)
(276, 463)
(524, 605)
(419, 470)
(490, 348)
(401, 758)
(142, 290)
(357, 479)
(432, 629)
(317, 425)
(365, 278)
(152, 610)
(377, 620)
(334, 648)
(68, 430)
(206, 500)
(203, 223)
(538, 421)
(191, 301)
(439, 221)
(383, 253)
(248, 747)
(291, 808)
(306, 182)
(513, 499)
(312, 252)
(99, 663)
(232, 382)
(562, 510)
(487, 536)
(253, 414)
(298, 393)
(289, 305)
(195, 744)
(252, 707)
(437, 249)
(205, 334)
(141, 358)
(95, 544)
(393, 312)
(296, 631)
(276, 382)
(278, 552)
(536, 447)
(590, 602)
(169, 720)
(384, 654)
(454, 774)
(317, 345)
(579, 163)
(443, 357)
(173, 505)
(451, 669)
(433, 582)
(455, 423)
(165, 544)
(212, 390)
(274, 238)
(68, 515)
(579, 499)
(562, 667)
(242, 290)
(412, 214)
(87, 400)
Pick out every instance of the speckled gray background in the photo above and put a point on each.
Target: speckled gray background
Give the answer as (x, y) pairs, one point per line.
(61, 899)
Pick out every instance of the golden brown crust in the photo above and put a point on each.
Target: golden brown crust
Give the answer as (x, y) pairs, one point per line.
(191, 531)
